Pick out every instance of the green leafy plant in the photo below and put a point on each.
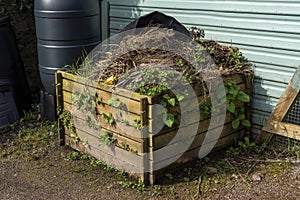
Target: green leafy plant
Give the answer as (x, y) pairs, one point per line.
(74, 155)
(30, 115)
(234, 97)
(107, 139)
(115, 102)
(246, 146)
(137, 123)
(91, 124)
(66, 118)
(126, 147)
(140, 186)
(108, 118)
(85, 143)
(235, 58)
(84, 102)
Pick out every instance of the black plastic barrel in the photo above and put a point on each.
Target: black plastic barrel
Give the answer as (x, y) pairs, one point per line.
(11, 65)
(65, 29)
(8, 110)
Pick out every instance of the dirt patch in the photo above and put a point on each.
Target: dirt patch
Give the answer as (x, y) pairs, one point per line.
(33, 166)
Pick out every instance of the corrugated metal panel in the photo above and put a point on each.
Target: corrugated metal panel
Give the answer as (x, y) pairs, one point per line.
(266, 31)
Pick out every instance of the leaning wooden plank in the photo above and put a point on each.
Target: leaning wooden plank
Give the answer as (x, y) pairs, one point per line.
(283, 129)
(285, 103)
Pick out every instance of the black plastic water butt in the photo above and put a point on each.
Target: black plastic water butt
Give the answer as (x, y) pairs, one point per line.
(64, 29)
(8, 110)
(11, 65)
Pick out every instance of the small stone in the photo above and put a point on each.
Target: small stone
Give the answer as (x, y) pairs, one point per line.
(212, 170)
(256, 177)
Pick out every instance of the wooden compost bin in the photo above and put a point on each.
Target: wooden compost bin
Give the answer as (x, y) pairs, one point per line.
(132, 149)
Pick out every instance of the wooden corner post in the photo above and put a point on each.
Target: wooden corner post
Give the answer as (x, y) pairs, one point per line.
(59, 102)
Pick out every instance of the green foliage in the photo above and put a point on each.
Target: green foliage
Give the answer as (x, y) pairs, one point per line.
(126, 147)
(235, 98)
(74, 155)
(85, 143)
(137, 123)
(246, 147)
(157, 191)
(91, 124)
(108, 118)
(30, 115)
(235, 58)
(84, 102)
(115, 102)
(140, 186)
(66, 118)
(169, 119)
(107, 139)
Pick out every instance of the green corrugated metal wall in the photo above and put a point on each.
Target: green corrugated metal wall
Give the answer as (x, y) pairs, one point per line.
(267, 32)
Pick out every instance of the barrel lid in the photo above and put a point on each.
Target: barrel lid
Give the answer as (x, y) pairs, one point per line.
(66, 8)
(4, 18)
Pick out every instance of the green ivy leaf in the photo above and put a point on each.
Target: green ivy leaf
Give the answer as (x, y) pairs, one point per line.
(114, 102)
(242, 116)
(166, 96)
(181, 97)
(164, 104)
(235, 123)
(246, 123)
(230, 97)
(243, 97)
(234, 89)
(169, 120)
(172, 101)
(231, 107)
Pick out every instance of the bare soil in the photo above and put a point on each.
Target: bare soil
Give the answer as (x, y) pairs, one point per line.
(33, 166)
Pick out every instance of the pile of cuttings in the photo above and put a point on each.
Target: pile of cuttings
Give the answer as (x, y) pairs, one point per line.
(142, 62)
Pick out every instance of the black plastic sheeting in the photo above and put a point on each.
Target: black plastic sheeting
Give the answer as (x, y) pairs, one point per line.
(157, 19)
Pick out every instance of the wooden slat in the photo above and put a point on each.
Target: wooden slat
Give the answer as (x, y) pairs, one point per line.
(106, 109)
(194, 153)
(161, 140)
(176, 148)
(132, 158)
(136, 144)
(103, 86)
(119, 127)
(122, 160)
(70, 88)
(284, 129)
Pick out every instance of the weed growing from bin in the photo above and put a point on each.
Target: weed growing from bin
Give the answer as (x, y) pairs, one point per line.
(235, 104)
